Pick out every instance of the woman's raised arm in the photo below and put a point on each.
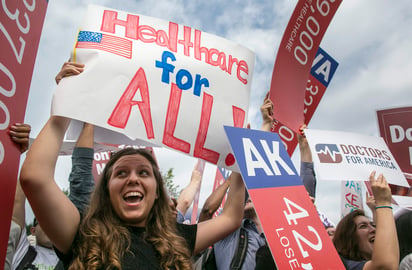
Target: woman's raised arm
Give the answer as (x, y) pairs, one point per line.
(55, 213)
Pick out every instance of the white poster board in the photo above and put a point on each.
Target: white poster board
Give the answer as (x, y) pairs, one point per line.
(349, 156)
(351, 197)
(160, 82)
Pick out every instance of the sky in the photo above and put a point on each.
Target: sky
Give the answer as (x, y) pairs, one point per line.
(371, 40)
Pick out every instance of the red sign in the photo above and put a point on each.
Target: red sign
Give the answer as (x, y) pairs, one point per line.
(298, 240)
(20, 26)
(321, 74)
(293, 229)
(314, 93)
(296, 52)
(395, 126)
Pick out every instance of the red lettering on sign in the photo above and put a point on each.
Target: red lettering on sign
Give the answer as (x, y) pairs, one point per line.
(110, 21)
(121, 113)
(186, 41)
(168, 41)
(145, 33)
(352, 199)
(170, 124)
(208, 53)
(200, 151)
(238, 116)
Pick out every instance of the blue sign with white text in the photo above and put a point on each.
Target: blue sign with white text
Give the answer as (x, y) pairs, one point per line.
(323, 67)
(262, 158)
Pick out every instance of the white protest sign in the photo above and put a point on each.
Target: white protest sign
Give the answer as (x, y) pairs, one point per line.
(403, 201)
(161, 82)
(350, 156)
(351, 197)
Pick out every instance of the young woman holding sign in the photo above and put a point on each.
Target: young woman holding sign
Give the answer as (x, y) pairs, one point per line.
(129, 224)
(360, 243)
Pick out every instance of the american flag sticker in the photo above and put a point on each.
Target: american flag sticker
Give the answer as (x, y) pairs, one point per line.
(104, 42)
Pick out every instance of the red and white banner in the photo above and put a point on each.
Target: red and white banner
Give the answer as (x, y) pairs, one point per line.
(348, 156)
(297, 50)
(178, 89)
(20, 26)
(321, 74)
(395, 126)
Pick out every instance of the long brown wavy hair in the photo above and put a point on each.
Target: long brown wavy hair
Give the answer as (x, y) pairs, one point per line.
(346, 240)
(103, 239)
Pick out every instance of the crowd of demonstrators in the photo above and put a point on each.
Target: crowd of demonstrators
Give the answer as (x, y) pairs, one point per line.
(18, 244)
(36, 251)
(126, 222)
(360, 242)
(245, 248)
(21, 254)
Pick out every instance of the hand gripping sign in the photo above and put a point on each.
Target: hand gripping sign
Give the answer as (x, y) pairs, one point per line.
(291, 224)
(21, 24)
(158, 81)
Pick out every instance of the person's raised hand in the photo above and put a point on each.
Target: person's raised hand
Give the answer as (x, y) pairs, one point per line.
(69, 69)
(380, 189)
(20, 134)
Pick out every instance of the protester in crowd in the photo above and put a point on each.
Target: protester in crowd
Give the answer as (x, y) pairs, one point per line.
(239, 248)
(308, 176)
(129, 222)
(404, 231)
(359, 243)
(214, 200)
(227, 251)
(187, 195)
(203, 260)
(81, 182)
(307, 172)
(19, 134)
(19, 252)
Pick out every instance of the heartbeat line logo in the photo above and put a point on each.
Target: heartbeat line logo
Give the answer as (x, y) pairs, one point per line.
(328, 153)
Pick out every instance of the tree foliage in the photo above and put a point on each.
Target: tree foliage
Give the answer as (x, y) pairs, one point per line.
(172, 189)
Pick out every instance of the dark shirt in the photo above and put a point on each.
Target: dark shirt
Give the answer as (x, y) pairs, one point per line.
(142, 254)
(307, 174)
(353, 265)
(81, 177)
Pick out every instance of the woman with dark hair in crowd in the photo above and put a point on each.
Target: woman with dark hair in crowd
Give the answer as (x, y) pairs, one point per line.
(360, 243)
(129, 224)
